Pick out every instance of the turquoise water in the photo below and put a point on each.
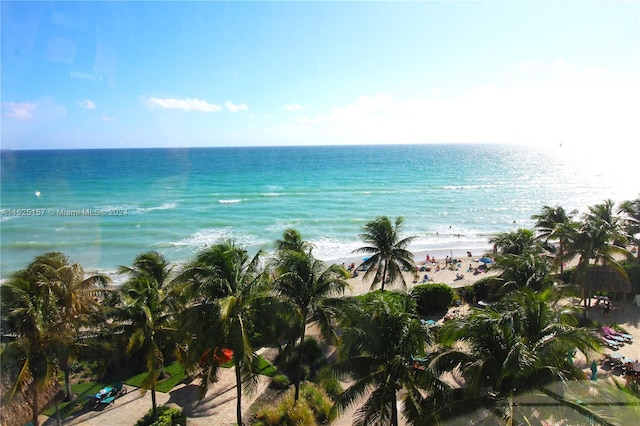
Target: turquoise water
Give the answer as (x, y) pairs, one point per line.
(176, 201)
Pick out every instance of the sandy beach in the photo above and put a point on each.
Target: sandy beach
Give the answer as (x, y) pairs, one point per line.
(437, 272)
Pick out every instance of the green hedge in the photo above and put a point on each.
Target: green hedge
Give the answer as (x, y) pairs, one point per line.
(432, 297)
(487, 289)
(166, 417)
(395, 300)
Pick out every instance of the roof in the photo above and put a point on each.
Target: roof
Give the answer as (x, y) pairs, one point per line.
(601, 278)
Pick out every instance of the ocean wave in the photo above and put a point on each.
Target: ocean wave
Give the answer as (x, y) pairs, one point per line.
(208, 237)
(465, 187)
(280, 225)
(164, 206)
(232, 201)
(270, 194)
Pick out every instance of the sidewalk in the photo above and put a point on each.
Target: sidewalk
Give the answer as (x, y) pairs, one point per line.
(218, 407)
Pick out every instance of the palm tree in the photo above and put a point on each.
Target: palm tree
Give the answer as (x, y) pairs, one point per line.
(147, 312)
(521, 344)
(550, 223)
(308, 284)
(598, 237)
(386, 249)
(379, 347)
(292, 241)
(223, 285)
(528, 270)
(521, 241)
(77, 295)
(631, 221)
(31, 312)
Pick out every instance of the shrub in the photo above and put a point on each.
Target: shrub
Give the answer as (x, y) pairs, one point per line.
(280, 381)
(431, 297)
(329, 383)
(487, 288)
(313, 408)
(397, 300)
(312, 358)
(167, 416)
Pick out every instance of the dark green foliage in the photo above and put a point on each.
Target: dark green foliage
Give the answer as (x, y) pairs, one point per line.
(332, 387)
(280, 381)
(166, 417)
(399, 301)
(281, 327)
(432, 297)
(566, 275)
(312, 359)
(379, 344)
(633, 271)
(487, 288)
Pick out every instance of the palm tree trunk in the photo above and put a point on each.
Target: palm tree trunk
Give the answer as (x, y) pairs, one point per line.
(34, 406)
(384, 275)
(394, 410)
(58, 420)
(67, 382)
(154, 405)
(580, 275)
(300, 353)
(238, 392)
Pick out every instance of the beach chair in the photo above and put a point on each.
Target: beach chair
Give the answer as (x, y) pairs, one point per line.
(614, 332)
(609, 333)
(613, 344)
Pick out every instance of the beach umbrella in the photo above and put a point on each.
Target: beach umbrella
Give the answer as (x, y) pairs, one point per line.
(485, 260)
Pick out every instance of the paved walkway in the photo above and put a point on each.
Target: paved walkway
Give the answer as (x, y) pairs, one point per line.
(218, 407)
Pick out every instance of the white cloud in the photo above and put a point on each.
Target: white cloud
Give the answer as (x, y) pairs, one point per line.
(292, 107)
(19, 110)
(185, 104)
(235, 108)
(87, 104)
(588, 108)
(108, 118)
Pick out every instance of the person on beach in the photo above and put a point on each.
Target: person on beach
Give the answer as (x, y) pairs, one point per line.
(605, 310)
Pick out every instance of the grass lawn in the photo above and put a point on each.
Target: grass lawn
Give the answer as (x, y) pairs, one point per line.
(265, 368)
(81, 390)
(174, 370)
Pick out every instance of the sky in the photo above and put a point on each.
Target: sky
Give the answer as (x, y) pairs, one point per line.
(185, 74)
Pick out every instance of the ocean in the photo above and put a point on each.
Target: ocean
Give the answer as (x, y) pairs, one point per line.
(103, 207)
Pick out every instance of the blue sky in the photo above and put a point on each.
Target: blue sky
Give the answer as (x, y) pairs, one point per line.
(159, 74)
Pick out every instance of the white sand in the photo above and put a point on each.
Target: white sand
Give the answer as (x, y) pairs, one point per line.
(444, 275)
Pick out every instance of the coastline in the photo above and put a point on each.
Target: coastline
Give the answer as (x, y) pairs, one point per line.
(443, 276)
